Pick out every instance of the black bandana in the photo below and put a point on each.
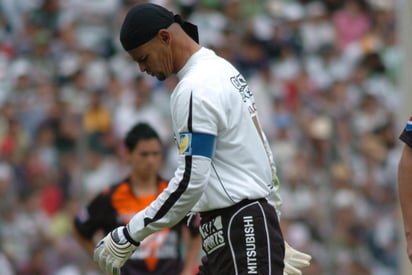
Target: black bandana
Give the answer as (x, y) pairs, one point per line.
(143, 22)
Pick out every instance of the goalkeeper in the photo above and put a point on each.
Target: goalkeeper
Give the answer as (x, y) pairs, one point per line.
(225, 170)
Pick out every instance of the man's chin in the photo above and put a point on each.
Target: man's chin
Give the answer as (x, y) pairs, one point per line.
(161, 77)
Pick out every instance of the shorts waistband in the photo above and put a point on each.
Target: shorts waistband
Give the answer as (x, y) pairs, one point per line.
(229, 209)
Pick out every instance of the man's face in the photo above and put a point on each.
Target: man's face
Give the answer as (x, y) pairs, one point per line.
(154, 57)
(146, 158)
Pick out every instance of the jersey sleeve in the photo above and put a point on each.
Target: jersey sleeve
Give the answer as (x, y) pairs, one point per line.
(192, 222)
(98, 215)
(195, 119)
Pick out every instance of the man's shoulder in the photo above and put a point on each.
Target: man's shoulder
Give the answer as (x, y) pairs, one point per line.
(110, 190)
(162, 183)
(209, 63)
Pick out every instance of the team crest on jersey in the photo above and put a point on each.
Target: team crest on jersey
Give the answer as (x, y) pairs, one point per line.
(83, 215)
(185, 144)
(409, 125)
(240, 84)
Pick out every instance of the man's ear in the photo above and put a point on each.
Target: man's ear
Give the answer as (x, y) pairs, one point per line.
(128, 156)
(164, 35)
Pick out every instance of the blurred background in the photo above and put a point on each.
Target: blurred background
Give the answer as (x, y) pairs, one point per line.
(331, 83)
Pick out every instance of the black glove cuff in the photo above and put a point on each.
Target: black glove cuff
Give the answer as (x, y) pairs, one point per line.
(129, 238)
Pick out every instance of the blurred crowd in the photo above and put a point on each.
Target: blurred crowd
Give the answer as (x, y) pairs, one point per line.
(325, 77)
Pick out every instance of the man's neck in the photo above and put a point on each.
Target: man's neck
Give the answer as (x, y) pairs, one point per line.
(184, 47)
(143, 186)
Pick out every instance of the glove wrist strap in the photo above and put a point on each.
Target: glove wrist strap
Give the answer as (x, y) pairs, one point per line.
(129, 238)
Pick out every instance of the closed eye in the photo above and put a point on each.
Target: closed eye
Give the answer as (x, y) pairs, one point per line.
(142, 59)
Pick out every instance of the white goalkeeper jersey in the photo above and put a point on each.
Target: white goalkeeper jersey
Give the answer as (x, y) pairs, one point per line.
(224, 156)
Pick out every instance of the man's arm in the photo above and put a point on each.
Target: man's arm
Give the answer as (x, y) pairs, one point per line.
(405, 194)
(192, 254)
(86, 244)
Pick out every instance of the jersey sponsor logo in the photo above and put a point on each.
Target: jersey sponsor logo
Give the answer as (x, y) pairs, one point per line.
(212, 234)
(240, 84)
(185, 144)
(250, 240)
(409, 125)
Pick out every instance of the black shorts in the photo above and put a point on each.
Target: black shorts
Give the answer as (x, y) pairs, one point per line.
(242, 239)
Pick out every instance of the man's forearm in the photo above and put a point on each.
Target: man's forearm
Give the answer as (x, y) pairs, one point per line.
(192, 254)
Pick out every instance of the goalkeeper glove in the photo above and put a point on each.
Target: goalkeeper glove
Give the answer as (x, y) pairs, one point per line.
(295, 260)
(114, 250)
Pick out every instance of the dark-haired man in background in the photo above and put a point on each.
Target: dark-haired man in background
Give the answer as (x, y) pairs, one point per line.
(160, 253)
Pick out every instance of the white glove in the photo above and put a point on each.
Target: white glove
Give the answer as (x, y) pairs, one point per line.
(295, 260)
(114, 250)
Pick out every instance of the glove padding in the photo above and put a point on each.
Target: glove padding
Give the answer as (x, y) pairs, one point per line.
(114, 250)
(295, 260)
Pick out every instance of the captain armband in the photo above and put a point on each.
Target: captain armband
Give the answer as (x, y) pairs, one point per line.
(196, 144)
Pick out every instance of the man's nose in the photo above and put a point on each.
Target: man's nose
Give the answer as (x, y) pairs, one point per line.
(142, 67)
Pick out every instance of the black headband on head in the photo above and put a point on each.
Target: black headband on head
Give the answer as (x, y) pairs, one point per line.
(143, 22)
